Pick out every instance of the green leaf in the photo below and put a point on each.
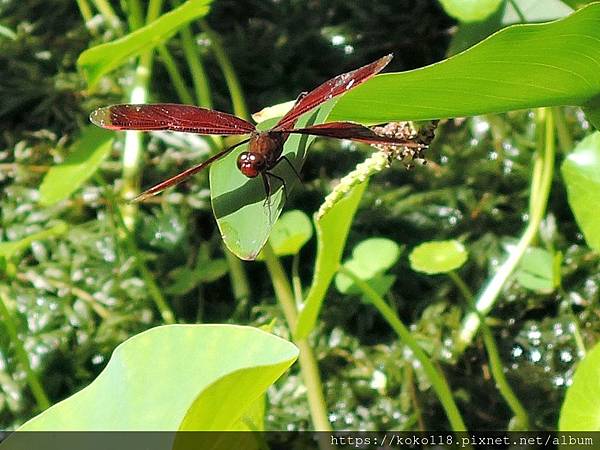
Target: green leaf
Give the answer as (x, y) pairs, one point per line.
(332, 232)
(10, 249)
(290, 233)
(176, 377)
(97, 61)
(244, 219)
(470, 10)
(581, 408)
(86, 155)
(370, 258)
(536, 270)
(438, 257)
(581, 173)
(522, 66)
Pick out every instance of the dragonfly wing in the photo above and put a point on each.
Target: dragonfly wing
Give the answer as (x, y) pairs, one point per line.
(171, 117)
(353, 132)
(330, 89)
(176, 179)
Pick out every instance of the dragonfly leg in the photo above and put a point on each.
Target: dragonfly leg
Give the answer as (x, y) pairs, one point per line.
(267, 183)
(285, 158)
(271, 174)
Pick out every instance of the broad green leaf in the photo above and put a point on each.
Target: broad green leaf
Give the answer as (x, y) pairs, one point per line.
(188, 377)
(290, 233)
(438, 257)
(239, 203)
(536, 270)
(522, 66)
(86, 155)
(97, 61)
(581, 408)
(332, 231)
(10, 249)
(581, 173)
(470, 10)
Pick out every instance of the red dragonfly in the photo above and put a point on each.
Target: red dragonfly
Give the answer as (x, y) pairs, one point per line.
(264, 147)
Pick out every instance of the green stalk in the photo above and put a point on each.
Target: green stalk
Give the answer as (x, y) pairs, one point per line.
(521, 422)
(175, 76)
(233, 84)
(296, 281)
(434, 375)
(86, 11)
(565, 139)
(155, 293)
(109, 13)
(194, 60)
(132, 149)
(33, 381)
(239, 278)
(135, 16)
(540, 187)
(308, 363)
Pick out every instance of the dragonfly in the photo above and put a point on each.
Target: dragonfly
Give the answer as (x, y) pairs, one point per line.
(265, 148)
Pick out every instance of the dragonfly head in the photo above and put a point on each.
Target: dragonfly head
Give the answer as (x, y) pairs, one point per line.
(251, 164)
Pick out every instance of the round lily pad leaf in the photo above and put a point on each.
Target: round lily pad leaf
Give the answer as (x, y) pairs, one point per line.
(376, 254)
(438, 257)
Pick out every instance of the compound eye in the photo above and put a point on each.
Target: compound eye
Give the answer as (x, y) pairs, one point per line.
(249, 164)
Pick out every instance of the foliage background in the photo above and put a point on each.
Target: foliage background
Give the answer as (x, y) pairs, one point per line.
(78, 295)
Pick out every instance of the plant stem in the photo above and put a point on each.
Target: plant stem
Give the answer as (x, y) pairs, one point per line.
(155, 293)
(135, 16)
(540, 188)
(565, 139)
(434, 375)
(521, 419)
(296, 281)
(233, 84)
(33, 381)
(239, 278)
(194, 60)
(308, 363)
(176, 78)
(86, 12)
(109, 13)
(132, 150)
